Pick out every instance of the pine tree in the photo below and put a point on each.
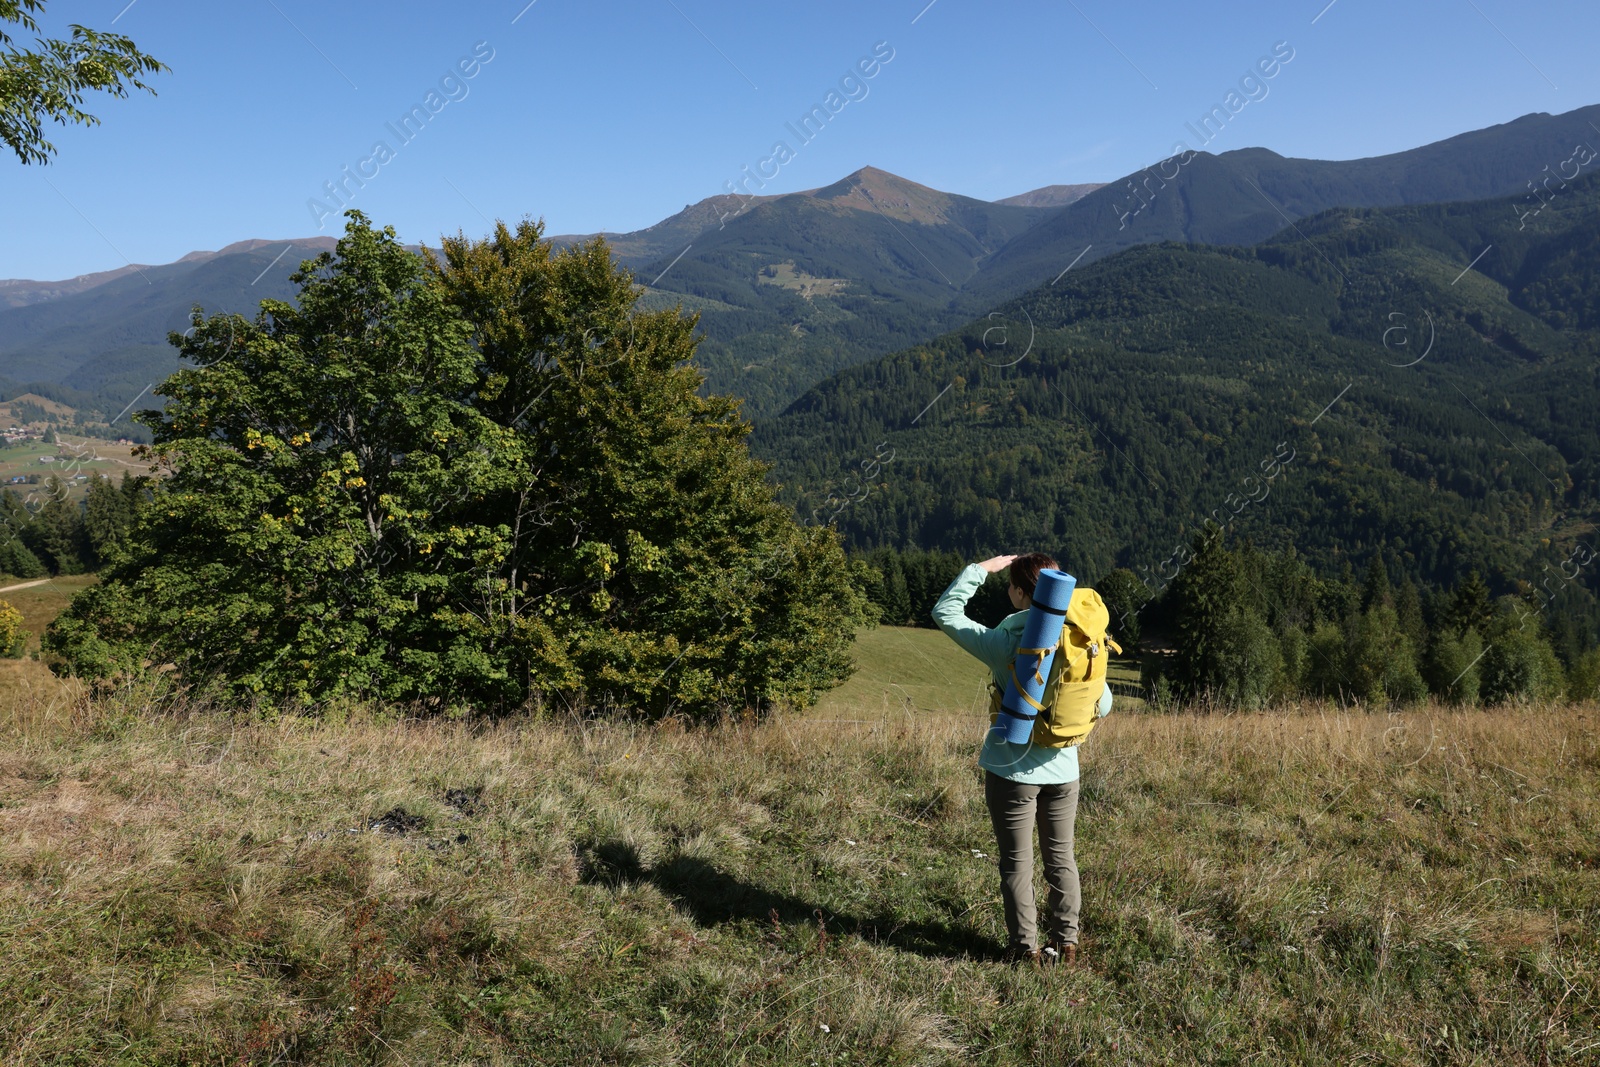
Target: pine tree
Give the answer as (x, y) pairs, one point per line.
(1470, 606)
(17, 529)
(1375, 591)
(896, 606)
(1408, 607)
(109, 512)
(59, 531)
(1204, 595)
(1124, 595)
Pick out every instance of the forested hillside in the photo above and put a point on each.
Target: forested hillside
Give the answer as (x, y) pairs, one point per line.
(1348, 387)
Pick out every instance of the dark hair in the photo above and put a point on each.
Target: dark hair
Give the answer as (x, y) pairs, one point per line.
(1025, 570)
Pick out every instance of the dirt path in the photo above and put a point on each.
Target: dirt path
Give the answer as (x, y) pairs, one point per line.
(24, 585)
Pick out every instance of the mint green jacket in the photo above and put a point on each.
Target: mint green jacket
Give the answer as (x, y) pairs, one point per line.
(1027, 763)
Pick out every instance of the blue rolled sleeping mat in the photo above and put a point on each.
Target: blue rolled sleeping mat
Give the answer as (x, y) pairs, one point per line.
(1031, 668)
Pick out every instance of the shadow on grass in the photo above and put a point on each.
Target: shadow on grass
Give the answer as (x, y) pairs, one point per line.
(713, 897)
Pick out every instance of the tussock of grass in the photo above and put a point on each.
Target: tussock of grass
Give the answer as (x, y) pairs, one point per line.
(1309, 887)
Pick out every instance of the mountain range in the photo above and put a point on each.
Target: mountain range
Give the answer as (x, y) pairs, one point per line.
(1420, 383)
(1394, 357)
(794, 288)
(99, 340)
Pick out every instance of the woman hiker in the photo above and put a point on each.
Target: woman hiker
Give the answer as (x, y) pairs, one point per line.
(1023, 784)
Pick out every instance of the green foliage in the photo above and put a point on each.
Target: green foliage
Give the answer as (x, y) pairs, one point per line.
(1375, 591)
(48, 83)
(884, 584)
(1454, 665)
(903, 587)
(16, 528)
(1519, 665)
(13, 637)
(697, 588)
(1583, 678)
(475, 481)
(308, 450)
(1247, 661)
(59, 536)
(1252, 626)
(1379, 663)
(1469, 607)
(17, 561)
(51, 533)
(1408, 610)
(1324, 670)
(1294, 651)
(110, 513)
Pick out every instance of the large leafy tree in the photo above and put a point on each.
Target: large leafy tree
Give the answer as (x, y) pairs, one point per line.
(1518, 663)
(47, 83)
(467, 481)
(644, 556)
(302, 539)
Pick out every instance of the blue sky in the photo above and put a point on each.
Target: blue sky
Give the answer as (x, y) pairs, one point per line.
(608, 115)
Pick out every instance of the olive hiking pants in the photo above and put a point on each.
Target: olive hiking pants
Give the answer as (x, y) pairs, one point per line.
(1015, 808)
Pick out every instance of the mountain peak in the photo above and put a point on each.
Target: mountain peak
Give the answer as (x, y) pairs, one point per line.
(872, 180)
(871, 189)
(873, 174)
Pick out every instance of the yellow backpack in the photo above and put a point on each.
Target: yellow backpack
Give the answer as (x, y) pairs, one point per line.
(1071, 704)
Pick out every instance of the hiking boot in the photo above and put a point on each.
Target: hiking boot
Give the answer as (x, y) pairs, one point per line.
(1059, 954)
(1021, 956)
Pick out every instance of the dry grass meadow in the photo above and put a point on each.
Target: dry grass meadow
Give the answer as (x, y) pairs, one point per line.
(1304, 886)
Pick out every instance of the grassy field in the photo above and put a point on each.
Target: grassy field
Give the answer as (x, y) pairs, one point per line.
(903, 671)
(786, 275)
(1303, 886)
(906, 672)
